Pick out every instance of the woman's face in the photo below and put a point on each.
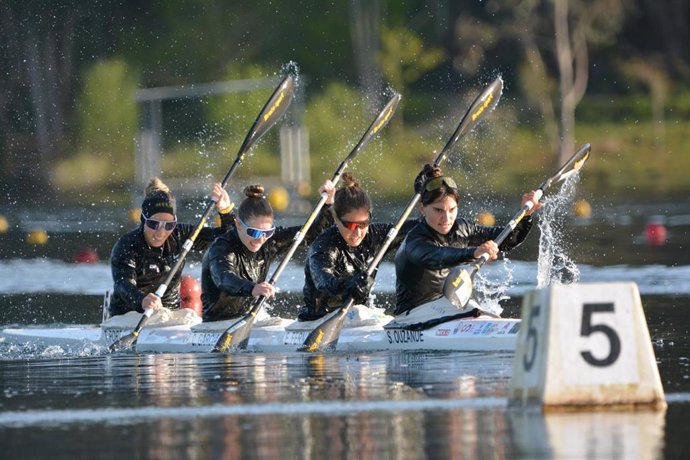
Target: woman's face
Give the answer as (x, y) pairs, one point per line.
(441, 214)
(261, 226)
(155, 232)
(353, 226)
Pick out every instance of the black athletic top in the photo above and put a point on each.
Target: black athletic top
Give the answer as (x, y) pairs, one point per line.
(425, 257)
(139, 269)
(330, 260)
(229, 270)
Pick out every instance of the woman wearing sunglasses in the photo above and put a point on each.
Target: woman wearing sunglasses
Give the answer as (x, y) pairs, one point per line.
(438, 243)
(141, 259)
(338, 259)
(235, 267)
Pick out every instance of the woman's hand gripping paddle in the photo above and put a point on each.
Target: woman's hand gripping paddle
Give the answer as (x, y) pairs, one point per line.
(274, 109)
(325, 336)
(237, 335)
(459, 282)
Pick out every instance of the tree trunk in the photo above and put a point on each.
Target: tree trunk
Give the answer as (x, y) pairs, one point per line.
(571, 52)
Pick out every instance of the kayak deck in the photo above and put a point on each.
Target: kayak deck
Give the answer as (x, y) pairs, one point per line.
(475, 334)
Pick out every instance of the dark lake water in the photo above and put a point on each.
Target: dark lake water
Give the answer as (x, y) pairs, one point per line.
(86, 404)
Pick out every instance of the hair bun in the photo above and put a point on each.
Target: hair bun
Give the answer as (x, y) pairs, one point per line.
(156, 185)
(254, 191)
(431, 171)
(348, 180)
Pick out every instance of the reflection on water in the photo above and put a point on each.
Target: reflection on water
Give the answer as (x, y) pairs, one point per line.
(83, 403)
(374, 405)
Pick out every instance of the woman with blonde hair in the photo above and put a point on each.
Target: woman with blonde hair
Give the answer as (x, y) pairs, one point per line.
(142, 258)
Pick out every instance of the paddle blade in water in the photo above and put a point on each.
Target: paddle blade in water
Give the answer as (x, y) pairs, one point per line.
(325, 336)
(124, 343)
(458, 286)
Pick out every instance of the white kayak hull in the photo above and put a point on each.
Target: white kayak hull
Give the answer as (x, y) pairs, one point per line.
(476, 334)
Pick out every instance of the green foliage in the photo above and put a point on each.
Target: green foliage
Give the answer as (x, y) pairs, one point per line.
(108, 126)
(108, 111)
(231, 115)
(404, 57)
(334, 118)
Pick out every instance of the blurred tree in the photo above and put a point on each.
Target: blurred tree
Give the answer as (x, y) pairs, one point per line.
(107, 129)
(365, 29)
(555, 36)
(404, 59)
(651, 73)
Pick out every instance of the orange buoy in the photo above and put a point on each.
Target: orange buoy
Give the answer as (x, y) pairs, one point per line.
(37, 237)
(486, 218)
(133, 215)
(583, 209)
(4, 225)
(655, 231)
(190, 293)
(86, 256)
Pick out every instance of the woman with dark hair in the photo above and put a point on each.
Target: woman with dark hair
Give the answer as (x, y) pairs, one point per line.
(141, 259)
(234, 269)
(338, 259)
(441, 241)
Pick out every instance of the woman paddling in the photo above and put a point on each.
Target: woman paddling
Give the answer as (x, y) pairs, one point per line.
(234, 268)
(439, 242)
(338, 259)
(142, 258)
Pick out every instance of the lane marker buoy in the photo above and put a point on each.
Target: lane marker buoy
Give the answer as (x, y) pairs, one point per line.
(585, 345)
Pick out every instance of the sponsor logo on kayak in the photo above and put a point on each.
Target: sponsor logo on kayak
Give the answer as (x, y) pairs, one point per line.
(295, 337)
(403, 336)
(113, 335)
(443, 332)
(204, 339)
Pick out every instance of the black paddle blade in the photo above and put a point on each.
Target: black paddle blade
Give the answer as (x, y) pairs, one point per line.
(325, 335)
(237, 335)
(124, 343)
(458, 286)
(482, 106)
(572, 166)
(274, 109)
(128, 341)
(377, 125)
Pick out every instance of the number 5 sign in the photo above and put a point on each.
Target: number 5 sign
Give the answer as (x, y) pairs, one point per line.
(585, 345)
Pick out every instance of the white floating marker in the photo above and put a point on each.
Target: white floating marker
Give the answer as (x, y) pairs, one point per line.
(585, 345)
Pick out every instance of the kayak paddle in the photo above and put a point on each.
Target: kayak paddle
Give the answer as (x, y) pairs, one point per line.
(459, 282)
(274, 109)
(325, 336)
(237, 335)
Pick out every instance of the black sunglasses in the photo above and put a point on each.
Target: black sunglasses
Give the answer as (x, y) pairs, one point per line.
(154, 224)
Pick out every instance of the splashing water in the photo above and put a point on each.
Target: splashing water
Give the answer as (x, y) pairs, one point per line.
(490, 288)
(553, 264)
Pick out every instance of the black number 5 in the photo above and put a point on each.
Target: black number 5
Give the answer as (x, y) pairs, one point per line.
(528, 360)
(588, 310)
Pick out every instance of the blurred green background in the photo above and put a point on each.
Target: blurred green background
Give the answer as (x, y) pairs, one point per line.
(612, 73)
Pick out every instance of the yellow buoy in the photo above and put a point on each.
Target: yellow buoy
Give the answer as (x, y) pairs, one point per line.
(4, 225)
(37, 236)
(303, 188)
(581, 208)
(279, 198)
(486, 218)
(134, 214)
